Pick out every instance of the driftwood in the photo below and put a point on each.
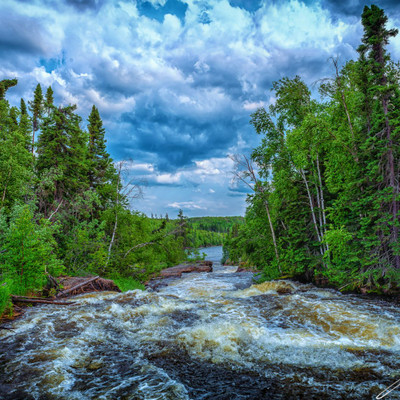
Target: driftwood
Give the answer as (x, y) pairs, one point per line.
(22, 299)
(65, 292)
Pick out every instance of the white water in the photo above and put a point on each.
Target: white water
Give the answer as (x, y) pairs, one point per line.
(205, 336)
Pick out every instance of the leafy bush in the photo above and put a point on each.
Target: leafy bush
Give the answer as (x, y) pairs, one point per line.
(27, 252)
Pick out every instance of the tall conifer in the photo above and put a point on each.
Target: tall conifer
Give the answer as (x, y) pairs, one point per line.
(385, 129)
(36, 108)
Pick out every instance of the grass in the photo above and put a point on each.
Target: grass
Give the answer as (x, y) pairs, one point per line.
(126, 283)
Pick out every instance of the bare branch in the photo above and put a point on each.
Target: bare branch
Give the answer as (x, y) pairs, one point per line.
(55, 211)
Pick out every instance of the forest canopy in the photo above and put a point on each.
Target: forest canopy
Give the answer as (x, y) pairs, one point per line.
(325, 178)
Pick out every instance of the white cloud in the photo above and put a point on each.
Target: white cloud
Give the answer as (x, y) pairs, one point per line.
(168, 178)
(145, 167)
(157, 3)
(186, 205)
(46, 78)
(214, 166)
(253, 106)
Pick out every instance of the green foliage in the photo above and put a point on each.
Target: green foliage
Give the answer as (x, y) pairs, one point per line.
(62, 147)
(328, 174)
(210, 231)
(67, 204)
(49, 99)
(127, 283)
(36, 108)
(5, 84)
(15, 159)
(5, 297)
(27, 251)
(85, 247)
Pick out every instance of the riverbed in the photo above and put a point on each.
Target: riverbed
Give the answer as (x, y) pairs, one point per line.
(205, 336)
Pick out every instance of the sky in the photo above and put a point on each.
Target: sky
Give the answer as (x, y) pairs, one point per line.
(176, 81)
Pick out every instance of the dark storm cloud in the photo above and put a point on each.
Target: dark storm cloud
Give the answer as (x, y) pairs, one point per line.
(21, 35)
(178, 139)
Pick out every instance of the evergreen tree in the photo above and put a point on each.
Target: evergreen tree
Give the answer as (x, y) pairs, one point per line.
(25, 125)
(36, 108)
(103, 176)
(385, 129)
(15, 166)
(49, 99)
(98, 157)
(62, 155)
(330, 174)
(23, 108)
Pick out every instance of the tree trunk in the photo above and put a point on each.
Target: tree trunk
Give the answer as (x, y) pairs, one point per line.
(392, 181)
(322, 200)
(273, 235)
(312, 212)
(116, 218)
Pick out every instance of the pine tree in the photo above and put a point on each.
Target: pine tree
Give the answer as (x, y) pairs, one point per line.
(23, 108)
(49, 99)
(103, 176)
(25, 125)
(97, 153)
(15, 160)
(36, 108)
(62, 156)
(385, 128)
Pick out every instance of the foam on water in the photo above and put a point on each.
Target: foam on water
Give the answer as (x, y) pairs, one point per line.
(280, 338)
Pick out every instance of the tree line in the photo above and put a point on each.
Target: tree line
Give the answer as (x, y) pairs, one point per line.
(210, 231)
(325, 197)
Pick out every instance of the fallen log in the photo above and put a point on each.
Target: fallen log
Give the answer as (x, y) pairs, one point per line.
(65, 292)
(21, 299)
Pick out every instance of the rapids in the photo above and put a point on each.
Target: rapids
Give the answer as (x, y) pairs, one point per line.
(205, 336)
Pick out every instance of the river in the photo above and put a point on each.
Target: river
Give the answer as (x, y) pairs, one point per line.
(205, 336)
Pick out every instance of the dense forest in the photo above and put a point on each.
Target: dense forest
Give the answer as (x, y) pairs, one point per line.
(65, 205)
(325, 204)
(210, 231)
